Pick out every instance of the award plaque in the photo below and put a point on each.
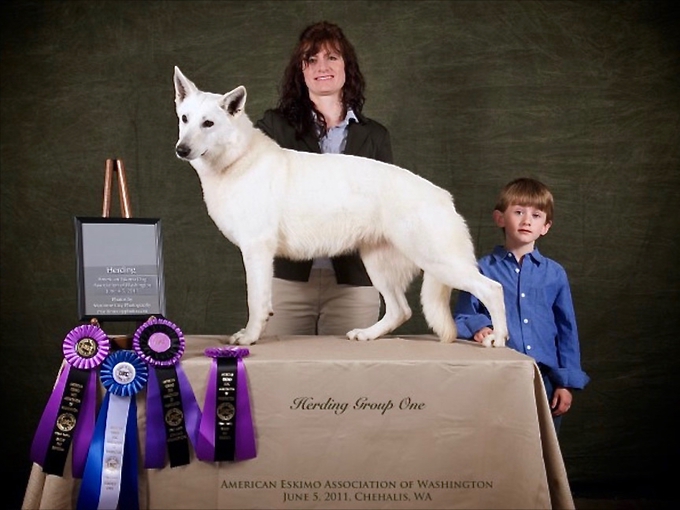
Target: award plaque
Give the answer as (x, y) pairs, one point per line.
(120, 268)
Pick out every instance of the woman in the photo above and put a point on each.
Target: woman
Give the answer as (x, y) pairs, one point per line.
(320, 110)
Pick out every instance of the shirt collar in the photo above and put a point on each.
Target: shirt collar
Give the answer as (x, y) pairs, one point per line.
(349, 117)
(500, 253)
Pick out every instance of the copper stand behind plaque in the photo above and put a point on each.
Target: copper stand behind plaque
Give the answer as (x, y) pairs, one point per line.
(116, 165)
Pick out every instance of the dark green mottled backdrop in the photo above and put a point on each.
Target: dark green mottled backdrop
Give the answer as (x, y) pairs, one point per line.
(583, 95)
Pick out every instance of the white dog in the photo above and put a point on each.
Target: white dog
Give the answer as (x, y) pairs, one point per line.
(271, 201)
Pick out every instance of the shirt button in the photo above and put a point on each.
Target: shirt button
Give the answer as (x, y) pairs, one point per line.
(528, 347)
(517, 270)
(526, 321)
(523, 294)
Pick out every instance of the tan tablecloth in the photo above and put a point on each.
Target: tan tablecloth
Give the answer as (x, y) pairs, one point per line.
(425, 426)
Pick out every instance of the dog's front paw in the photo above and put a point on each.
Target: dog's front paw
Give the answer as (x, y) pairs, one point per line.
(500, 341)
(490, 341)
(363, 335)
(242, 338)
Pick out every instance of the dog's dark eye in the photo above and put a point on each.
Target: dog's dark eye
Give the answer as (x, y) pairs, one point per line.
(208, 123)
(184, 119)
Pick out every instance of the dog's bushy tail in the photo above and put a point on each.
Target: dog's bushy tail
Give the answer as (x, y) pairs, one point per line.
(435, 298)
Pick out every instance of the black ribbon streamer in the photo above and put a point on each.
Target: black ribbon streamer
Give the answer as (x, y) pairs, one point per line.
(225, 423)
(69, 410)
(177, 439)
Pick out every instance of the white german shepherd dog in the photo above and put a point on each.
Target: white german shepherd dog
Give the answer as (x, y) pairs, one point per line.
(270, 201)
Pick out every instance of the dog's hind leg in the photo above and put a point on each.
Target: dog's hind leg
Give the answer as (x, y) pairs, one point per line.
(441, 246)
(436, 301)
(397, 312)
(490, 293)
(390, 273)
(466, 277)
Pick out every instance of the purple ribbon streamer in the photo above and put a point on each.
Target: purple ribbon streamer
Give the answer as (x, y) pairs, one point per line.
(155, 428)
(245, 440)
(192, 413)
(205, 448)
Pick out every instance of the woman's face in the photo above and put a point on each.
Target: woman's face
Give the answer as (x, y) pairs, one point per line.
(324, 73)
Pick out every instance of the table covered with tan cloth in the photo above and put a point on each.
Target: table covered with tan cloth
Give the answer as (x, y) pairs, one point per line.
(399, 423)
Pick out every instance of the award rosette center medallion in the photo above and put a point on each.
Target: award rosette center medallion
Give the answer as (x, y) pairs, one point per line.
(69, 416)
(172, 413)
(110, 478)
(226, 431)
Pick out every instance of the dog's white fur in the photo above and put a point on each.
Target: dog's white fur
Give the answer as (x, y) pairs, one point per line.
(271, 201)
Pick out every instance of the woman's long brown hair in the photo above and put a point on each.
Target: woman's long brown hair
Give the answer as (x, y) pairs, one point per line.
(294, 102)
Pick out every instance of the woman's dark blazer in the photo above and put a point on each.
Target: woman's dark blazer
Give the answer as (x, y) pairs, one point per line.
(366, 138)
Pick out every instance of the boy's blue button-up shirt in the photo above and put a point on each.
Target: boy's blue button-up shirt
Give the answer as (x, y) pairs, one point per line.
(539, 310)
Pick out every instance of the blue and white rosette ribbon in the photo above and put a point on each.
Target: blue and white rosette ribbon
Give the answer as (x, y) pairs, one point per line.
(226, 431)
(110, 480)
(172, 413)
(69, 415)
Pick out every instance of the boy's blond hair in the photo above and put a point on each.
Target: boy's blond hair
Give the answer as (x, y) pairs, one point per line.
(528, 192)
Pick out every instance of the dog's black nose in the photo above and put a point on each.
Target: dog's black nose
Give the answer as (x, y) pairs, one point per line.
(182, 151)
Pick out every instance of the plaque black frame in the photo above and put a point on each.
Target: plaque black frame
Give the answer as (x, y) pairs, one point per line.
(156, 257)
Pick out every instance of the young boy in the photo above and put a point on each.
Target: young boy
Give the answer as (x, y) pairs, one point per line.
(538, 303)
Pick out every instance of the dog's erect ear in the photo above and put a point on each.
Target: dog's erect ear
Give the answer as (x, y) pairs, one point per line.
(183, 86)
(233, 102)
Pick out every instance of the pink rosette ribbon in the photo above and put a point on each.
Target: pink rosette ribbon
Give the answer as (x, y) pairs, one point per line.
(226, 432)
(69, 416)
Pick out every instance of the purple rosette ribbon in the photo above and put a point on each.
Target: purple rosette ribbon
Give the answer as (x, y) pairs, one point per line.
(226, 431)
(69, 416)
(110, 480)
(172, 412)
